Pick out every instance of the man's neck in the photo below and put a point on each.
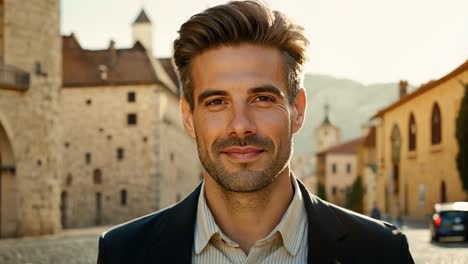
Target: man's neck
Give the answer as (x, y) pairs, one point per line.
(248, 217)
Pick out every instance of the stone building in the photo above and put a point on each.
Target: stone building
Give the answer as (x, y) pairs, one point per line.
(126, 153)
(326, 134)
(416, 147)
(30, 134)
(338, 169)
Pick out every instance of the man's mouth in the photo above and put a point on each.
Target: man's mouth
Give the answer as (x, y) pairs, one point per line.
(243, 154)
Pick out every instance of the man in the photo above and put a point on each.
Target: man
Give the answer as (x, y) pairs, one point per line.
(240, 66)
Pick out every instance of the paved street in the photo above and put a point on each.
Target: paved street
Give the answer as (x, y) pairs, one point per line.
(424, 251)
(80, 247)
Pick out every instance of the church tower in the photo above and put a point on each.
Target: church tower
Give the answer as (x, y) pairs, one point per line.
(142, 31)
(326, 134)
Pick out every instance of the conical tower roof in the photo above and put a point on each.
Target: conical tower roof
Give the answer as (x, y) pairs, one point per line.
(142, 18)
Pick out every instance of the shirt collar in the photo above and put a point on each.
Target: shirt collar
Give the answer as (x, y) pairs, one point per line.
(291, 226)
(205, 226)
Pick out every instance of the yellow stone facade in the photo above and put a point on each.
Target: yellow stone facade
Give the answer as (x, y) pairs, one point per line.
(411, 182)
(30, 134)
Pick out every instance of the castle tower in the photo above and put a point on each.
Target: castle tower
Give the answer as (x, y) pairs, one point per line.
(30, 134)
(326, 134)
(142, 31)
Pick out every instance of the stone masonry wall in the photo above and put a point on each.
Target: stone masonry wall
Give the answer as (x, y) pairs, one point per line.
(31, 34)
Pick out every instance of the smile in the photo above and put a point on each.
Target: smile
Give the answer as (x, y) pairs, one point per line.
(243, 154)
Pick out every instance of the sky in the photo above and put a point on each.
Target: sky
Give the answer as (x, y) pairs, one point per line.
(365, 40)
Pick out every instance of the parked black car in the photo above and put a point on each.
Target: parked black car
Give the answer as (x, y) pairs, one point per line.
(450, 220)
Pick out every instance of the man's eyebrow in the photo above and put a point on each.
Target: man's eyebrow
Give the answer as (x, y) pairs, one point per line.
(209, 93)
(267, 89)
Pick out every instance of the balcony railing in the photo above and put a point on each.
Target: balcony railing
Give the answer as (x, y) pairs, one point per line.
(13, 78)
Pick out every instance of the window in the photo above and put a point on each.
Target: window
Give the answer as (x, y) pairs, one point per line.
(123, 197)
(67, 144)
(120, 154)
(131, 97)
(334, 168)
(172, 157)
(348, 168)
(69, 179)
(436, 125)
(88, 158)
(97, 176)
(412, 133)
(334, 190)
(132, 119)
(88, 102)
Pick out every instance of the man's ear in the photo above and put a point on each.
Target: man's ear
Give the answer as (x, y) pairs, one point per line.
(187, 117)
(299, 110)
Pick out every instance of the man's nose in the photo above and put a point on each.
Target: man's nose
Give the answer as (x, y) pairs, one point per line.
(242, 122)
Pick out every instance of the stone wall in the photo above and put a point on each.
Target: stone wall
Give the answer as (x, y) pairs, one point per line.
(180, 168)
(159, 164)
(31, 37)
(95, 128)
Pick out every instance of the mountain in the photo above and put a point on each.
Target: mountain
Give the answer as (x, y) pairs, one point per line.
(351, 105)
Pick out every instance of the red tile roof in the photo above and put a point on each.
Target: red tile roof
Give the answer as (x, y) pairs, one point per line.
(348, 147)
(81, 67)
(424, 88)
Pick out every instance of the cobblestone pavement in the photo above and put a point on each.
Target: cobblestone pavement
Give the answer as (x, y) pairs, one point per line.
(79, 246)
(424, 251)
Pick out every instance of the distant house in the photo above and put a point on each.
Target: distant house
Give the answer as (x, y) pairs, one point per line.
(338, 169)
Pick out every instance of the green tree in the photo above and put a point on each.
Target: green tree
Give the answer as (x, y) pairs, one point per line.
(462, 139)
(355, 196)
(321, 191)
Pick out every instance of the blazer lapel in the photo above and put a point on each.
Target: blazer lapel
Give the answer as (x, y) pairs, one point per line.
(175, 241)
(325, 229)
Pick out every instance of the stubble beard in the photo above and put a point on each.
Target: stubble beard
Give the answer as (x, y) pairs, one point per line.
(244, 179)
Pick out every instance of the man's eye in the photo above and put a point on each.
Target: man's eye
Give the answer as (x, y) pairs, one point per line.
(264, 98)
(215, 102)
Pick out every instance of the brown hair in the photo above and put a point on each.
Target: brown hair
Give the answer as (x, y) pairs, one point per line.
(235, 23)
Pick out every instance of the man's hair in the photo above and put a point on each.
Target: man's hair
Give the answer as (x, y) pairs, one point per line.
(235, 23)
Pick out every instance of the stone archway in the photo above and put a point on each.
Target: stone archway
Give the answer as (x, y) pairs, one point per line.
(8, 218)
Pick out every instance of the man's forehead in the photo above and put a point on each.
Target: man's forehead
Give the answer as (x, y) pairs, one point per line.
(244, 65)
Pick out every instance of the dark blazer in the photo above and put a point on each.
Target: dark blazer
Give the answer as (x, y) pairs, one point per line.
(335, 235)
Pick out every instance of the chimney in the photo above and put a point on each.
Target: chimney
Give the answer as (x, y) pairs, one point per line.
(403, 88)
(112, 53)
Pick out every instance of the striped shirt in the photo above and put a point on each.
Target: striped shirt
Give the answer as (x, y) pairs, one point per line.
(287, 243)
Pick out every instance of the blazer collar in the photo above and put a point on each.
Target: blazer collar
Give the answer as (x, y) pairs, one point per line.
(176, 238)
(325, 229)
(175, 241)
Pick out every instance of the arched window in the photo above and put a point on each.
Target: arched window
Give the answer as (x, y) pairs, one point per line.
(412, 133)
(436, 125)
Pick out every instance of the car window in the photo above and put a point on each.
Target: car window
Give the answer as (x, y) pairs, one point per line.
(456, 217)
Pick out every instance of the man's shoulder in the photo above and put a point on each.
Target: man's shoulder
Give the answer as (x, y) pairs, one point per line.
(137, 230)
(360, 225)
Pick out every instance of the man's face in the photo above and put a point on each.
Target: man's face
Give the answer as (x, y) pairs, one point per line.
(242, 119)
